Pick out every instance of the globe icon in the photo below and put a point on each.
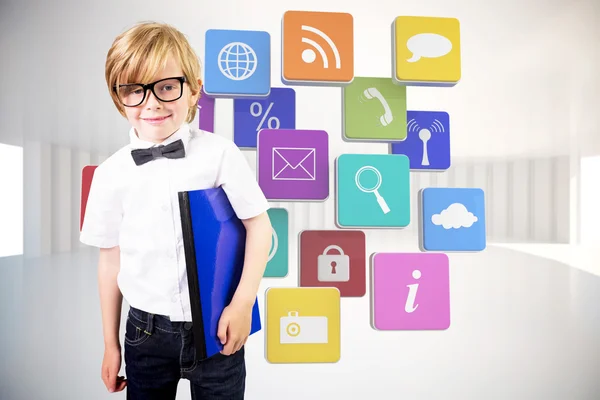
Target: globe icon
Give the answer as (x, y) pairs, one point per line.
(237, 61)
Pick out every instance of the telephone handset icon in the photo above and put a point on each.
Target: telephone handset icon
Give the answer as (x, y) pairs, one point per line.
(387, 117)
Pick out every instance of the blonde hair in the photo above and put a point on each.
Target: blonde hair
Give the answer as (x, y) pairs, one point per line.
(138, 53)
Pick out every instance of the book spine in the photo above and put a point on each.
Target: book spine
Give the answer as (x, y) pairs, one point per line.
(192, 273)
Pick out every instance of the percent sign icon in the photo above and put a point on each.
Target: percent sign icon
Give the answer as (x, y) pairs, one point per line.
(256, 111)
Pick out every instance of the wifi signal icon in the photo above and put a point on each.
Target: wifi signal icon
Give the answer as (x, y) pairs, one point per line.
(436, 126)
(425, 134)
(317, 48)
(427, 142)
(309, 55)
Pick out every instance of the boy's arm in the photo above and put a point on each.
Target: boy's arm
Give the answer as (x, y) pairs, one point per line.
(111, 299)
(251, 206)
(258, 243)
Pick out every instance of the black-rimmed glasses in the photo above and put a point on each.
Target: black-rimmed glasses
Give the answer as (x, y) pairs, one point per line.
(166, 90)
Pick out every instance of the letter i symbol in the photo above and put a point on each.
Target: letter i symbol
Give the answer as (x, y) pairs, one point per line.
(412, 293)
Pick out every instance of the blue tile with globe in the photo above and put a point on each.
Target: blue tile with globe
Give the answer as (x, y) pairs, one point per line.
(238, 63)
(452, 219)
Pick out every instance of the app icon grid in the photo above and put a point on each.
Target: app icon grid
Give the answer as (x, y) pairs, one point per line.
(408, 291)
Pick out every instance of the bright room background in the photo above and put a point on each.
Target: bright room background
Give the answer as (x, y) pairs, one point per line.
(525, 127)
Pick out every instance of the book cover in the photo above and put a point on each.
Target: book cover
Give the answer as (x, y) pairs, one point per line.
(214, 244)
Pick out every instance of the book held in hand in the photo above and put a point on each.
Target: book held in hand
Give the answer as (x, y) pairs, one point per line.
(214, 241)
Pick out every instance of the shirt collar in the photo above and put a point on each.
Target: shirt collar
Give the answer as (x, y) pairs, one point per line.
(182, 133)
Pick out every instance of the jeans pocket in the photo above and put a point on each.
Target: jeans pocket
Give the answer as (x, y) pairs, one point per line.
(135, 333)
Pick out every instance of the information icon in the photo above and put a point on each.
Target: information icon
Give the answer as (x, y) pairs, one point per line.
(410, 291)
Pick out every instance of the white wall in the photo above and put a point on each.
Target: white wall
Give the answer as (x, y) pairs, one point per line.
(523, 115)
(11, 200)
(527, 199)
(53, 197)
(538, 103)
(590, 201)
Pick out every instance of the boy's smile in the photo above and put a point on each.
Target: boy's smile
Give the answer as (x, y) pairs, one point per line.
(155, 120)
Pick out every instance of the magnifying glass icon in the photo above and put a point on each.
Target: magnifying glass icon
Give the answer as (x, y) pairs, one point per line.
(380, 200)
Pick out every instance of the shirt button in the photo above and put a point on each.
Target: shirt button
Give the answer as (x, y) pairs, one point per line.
(164, 207)
(174, 298)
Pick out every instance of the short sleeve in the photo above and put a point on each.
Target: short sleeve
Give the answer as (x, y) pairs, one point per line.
(238, 181)
(103, 212)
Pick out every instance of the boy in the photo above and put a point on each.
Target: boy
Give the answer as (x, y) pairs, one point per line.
(132, 215)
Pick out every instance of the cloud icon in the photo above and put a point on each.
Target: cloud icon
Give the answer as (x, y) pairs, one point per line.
(455, 216)
(429, 45)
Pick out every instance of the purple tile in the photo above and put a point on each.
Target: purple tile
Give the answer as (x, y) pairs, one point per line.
(411, 291)
(206, 109)
(293, 164)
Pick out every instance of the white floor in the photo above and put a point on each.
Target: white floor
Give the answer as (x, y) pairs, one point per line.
(524, 327)
(584, 258)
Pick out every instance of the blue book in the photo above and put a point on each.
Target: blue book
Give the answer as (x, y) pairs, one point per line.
(214, 241)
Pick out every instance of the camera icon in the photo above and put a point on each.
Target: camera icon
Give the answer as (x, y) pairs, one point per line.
(294, 329)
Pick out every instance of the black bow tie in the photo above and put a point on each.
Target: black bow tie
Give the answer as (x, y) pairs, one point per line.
(172, 150)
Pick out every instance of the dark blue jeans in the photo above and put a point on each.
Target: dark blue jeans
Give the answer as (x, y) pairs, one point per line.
(158, 353)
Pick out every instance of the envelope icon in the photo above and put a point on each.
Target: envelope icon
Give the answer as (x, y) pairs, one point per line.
(294, 164)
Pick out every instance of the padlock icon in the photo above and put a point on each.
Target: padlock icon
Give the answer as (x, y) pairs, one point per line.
(333, 267)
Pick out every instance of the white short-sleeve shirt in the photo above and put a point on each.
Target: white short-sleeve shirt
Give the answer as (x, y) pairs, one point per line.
(137, 208)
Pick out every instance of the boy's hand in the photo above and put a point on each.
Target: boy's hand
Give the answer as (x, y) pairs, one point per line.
(111, 364)
(234, 327)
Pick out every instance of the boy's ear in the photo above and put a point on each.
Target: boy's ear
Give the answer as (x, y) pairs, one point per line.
(196, 96)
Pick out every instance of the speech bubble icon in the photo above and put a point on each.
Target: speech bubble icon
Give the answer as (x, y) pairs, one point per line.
(430, 45)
